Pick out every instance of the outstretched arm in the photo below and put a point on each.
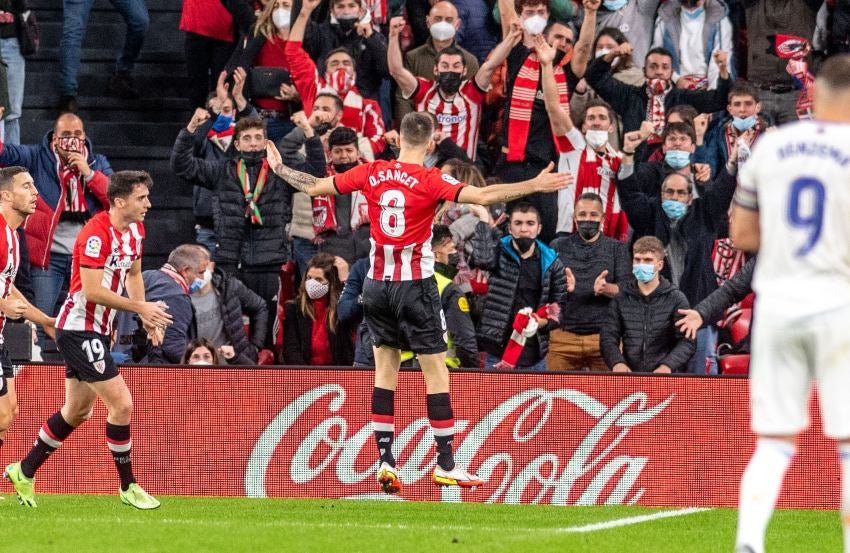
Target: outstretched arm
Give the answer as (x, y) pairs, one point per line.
(561, 122)
(406, 80)
(499, 54)
(310, 185)
(581, 51)
(546, 181)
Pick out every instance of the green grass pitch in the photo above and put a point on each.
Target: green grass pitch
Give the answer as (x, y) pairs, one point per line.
(85, 523)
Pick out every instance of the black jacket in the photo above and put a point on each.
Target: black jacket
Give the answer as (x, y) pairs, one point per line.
(237, 300)
(733, 290)
(704, 222)
(370, 54)
(631, 101)
(459, 324)
(498, 257)
(583, 311)
(645, 325)
(238, 240)
(298, 339)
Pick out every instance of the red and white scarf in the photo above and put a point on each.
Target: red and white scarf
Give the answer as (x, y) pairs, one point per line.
(221, 139)
(524, 327)
(71, 182)
(522, 104)
(727, 262)
(732, 135)
(324, 211)
(657, 90)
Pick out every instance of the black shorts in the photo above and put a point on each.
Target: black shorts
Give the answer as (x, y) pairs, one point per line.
(8, 370)
(86, 355)
(405, 315)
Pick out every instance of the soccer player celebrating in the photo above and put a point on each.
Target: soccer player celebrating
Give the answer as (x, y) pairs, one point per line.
(18, 198)
(793, 206)
(106, 263)
(400, 299)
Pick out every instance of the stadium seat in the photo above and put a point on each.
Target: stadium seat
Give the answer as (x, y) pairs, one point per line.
(734, 364)
(265, 357)
(741, 326)
(748, 301)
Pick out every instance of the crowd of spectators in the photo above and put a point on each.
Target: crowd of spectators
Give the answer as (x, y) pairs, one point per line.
(651, 105)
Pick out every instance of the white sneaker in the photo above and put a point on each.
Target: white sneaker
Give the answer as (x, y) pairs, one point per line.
(456, 477)
(388, 479)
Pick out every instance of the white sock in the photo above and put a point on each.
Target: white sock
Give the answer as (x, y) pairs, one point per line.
(760, 487)
(844, 459)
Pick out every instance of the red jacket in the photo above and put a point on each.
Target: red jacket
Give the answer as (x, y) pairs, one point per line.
(359, 113)
(207, 18)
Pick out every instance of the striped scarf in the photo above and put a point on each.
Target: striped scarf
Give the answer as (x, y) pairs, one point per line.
(522, 103)
(71, 182)
(657, 90)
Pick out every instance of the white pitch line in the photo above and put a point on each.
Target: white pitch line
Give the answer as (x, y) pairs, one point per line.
(628, 521)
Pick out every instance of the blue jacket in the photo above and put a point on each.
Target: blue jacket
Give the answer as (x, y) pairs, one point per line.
(40, 161)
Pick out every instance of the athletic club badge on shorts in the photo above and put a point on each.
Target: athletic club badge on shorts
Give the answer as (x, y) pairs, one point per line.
(93, 246)
(99, 366)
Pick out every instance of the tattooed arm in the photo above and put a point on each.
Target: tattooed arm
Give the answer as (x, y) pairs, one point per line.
(303, 182)
(546, 181)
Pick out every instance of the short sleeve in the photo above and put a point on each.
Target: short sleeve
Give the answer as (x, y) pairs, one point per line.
(746, 195)
(353, 179)
(93, 249)
(444, 187)
(474, 92)
(422, 88)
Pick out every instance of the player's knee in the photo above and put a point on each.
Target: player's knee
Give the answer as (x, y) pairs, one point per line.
(78, 415)
(122, 410)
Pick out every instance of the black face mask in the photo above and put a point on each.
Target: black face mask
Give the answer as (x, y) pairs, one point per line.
(449, 81)
(253, 158)
(523, 244)
(454, 259)
(346, 23)
(446, 269)
(322, 129)
(341, 168)
(588, 229)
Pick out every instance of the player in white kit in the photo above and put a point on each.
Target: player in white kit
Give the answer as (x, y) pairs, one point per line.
(793, 206)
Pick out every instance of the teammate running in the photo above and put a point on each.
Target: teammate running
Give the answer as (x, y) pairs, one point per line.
(793, 206)
(18, 198)
(400, 299)
(106, 263)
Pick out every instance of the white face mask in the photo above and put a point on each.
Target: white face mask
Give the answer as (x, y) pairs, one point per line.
(200, 362)
(316, 289)
(602, 52)
(281, 18)
(535, 24)
(595, 138)
(442, 30)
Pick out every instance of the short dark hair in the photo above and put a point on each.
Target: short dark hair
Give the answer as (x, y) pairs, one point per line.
(337, 100)
(660, 51)
(122, 184)
(520, 4)
(681, 128)
(338, 50)
(417, 128)
(591, 197)
(439, 234)
(597, 103)
(741, 88)
(525, 207)
(649, 244)
(7, 175)
(342, 136)
(248, 123)
(686, 111)
(835, 72)
(451, 51)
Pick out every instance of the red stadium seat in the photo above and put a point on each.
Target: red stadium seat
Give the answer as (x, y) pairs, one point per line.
(734, 364)
(747, 302)
(265, 357)
(741, 326)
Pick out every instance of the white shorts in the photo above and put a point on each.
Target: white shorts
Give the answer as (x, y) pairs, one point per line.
(787, 355)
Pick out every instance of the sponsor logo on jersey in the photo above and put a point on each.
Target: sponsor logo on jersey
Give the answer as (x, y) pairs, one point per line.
(93, 246)
(444, 119)
(450, 179)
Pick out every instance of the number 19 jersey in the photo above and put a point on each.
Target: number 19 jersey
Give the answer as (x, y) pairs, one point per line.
(798, 178)
(402, 199)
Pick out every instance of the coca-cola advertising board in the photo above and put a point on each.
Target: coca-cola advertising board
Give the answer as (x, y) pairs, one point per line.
(536, 438)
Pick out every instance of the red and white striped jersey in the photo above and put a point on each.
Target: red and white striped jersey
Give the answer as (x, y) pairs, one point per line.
(10, 260)
(99, 246)
(593, 173)
(402, 199)
(458, 119)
